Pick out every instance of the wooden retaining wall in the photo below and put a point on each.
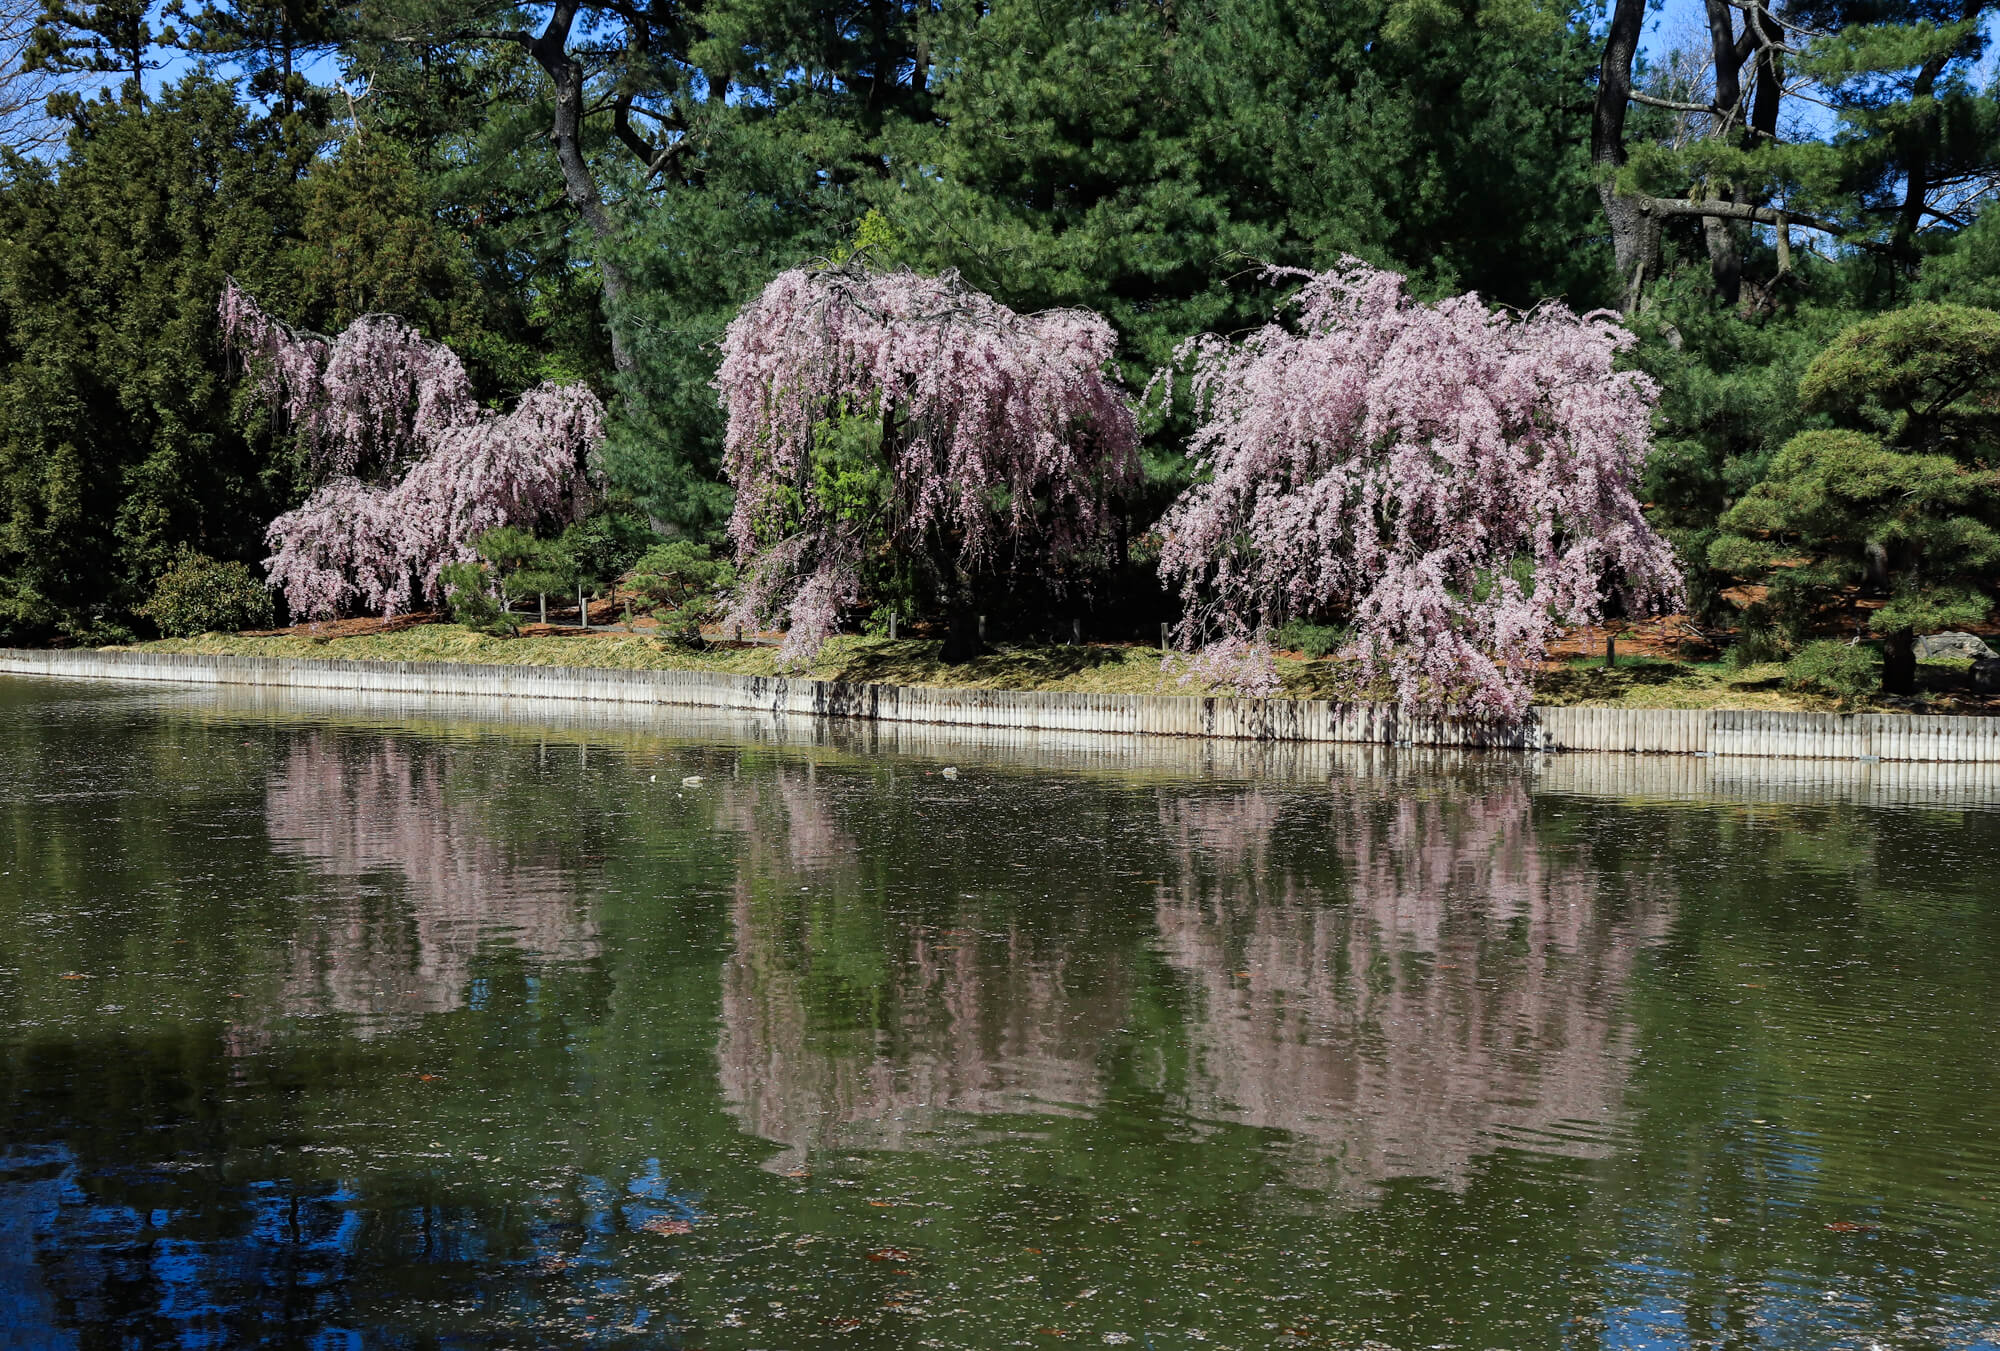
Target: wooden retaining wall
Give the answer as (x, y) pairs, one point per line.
(1713, 733)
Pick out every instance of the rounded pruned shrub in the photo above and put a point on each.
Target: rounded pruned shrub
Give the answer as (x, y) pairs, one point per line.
(468, 591)
(1844, 670)
(197, 594)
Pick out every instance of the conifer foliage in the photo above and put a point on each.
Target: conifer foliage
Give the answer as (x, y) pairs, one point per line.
(416, 468)
(985, 430)
(1453, 481)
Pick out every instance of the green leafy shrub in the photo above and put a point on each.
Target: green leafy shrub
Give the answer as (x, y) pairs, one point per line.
(528, 568)
(686, 578)
(1315, 640)
(468, 591)
(1845, 670)
(1760, 639)
(199, 595)
(608, 544)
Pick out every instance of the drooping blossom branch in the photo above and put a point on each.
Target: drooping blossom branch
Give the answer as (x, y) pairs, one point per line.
(1453, 481)
(382, 397)
(359, 402)
(996, 428)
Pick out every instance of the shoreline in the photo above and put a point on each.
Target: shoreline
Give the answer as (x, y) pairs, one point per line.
(1550, 729)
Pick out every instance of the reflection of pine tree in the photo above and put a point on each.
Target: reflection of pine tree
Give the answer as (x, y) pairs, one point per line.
(837, 1039)
(357, 811)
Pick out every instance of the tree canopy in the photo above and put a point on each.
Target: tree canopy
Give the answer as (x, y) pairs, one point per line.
(590, 193)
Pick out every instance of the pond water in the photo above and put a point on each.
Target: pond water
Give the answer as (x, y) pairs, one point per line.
(330, 1024)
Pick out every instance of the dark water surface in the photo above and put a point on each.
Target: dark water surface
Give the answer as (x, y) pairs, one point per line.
(330, 1025)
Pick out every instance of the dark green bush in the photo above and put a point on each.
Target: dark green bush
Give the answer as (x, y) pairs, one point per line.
(199, 595)
(608, 544)
(468, 592)
(1315, 640)
(1844, 670)
(529, 568)
(688, 579)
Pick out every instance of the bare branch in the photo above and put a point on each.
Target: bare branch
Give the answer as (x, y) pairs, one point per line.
(1745, 211)
(1672, 106)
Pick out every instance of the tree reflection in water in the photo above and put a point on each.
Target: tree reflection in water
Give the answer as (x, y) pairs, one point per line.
(960, 1015)
(368, 812)
(1399, 986)
(1461, 990)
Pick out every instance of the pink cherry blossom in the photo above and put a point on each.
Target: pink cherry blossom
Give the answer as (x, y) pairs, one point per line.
(381, 398)
(1000, 429)
(1455, 482)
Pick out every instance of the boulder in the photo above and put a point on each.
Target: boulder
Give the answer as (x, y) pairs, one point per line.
(1986, 675)
(1953, 647)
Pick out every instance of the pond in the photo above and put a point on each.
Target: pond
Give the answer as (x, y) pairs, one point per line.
(338, 1024)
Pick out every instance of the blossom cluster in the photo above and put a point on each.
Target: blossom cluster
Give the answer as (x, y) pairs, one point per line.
(996, 426)
(1454, 481)
(383, 397)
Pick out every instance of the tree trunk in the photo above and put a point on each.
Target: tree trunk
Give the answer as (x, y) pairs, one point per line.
(1899, 663)
(1769, 81)
(961, 636)
(1635, 235)
(551, 53)
(1725, 259)
(1725, 254)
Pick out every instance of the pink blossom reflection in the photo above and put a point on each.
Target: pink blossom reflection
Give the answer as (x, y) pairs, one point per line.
(421, 884)
(1462, 992)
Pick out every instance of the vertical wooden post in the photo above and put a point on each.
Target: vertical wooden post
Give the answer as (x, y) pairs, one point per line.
(892, 626)
(582, 607)
(1076, 631)
(982, 628)
(1163, 637)
(1610, 650)
(542, 598)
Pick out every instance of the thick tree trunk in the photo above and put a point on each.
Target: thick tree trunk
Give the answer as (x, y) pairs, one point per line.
(551, 53)
(1725, 258)
(1725, 253)
(1899, 663)
(1635, 235)
(961, 636)
(1769, 82)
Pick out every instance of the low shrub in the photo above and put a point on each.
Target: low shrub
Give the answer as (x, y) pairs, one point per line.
(468, 593)
(197, 595)
(1844, 670)
(685, 577)
(1315, 640)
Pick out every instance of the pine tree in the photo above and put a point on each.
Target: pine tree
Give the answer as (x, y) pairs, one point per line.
(1900, 504)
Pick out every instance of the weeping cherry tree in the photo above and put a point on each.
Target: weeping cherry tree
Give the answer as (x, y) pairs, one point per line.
(414, 468)
(877, 414)
(1453, 482)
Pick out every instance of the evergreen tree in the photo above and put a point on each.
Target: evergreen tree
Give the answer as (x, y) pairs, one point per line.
(99, 37)
(119, 443)
(1900, 503)
(269, 40)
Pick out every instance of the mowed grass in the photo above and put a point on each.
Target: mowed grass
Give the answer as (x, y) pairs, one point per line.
(1093, 668)
(1635, 682)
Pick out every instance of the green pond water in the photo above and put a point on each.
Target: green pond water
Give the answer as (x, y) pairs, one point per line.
(337, 1025)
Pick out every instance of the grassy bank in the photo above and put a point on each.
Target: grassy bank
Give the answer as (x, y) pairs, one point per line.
(1095, 669)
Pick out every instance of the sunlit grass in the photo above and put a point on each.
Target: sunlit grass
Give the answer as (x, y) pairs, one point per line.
(1634, 682)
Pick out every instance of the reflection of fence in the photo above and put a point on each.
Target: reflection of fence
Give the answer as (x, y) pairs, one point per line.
(1860, 736)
